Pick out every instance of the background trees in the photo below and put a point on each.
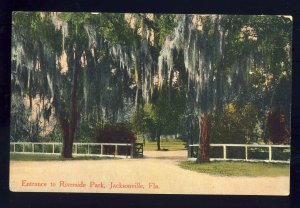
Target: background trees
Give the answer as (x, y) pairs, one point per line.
(35, 43)
(256, 44)
(236, 125)
(162, 116)
(164, 73)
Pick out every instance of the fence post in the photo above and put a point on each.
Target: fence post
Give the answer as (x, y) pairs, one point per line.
(132, 150)
(270, 152)
(189, 151)
(246, 152)
(53, 148)
(76, 149)
(224, 152)
(32, 147)
(23, 147)
(101, 151)
(116, 150)
(14, 147)
(88, 150)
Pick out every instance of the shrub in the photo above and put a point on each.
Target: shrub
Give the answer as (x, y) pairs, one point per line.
(86, 132)
(115, 133)
(236, 125)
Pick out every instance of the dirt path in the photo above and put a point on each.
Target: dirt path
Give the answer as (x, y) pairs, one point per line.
(157, 173)
(169, 155)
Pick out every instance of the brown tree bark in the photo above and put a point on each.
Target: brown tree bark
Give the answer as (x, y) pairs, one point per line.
(204, 123)
(158, 141)
(66, 150)
(69, 126)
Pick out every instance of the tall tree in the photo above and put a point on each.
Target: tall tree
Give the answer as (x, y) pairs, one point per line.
(106, 66)
(220, 55)
(85, 34)
(64, 48)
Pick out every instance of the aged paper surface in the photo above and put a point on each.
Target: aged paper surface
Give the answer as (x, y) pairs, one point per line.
(158, 176)
(118, 103)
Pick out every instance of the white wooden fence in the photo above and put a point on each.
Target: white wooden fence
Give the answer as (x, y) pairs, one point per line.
(54, 148)
(246, 152)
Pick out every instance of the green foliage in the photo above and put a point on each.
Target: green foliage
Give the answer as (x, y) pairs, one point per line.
(165, 25)
(54, 136)
(170, 105)
(112, 26)
(21, 127)
(86, 132)
(144, 120)
(266, 39)
(236, 47)
(37, 29)
(237, 125)
(163, 115)
(273, 35)
(115, 29)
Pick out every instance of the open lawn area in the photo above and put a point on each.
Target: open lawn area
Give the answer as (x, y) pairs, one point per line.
(165, 144)
(239, 168)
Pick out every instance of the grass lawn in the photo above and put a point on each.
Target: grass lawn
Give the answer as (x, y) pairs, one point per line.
(32, 157)
(171, 145)
(239, 168)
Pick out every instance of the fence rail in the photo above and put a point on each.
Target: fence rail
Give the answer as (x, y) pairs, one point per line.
(122, 150)
(248, 152)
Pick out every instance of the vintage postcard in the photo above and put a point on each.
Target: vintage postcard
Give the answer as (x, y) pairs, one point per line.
(149, 103)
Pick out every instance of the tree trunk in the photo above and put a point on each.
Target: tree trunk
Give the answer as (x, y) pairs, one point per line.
(138, 79)
(67, 147)
(69, 127)
(158, 141)
(203, 155)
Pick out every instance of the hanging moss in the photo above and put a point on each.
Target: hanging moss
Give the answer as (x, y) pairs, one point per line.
(208, 58)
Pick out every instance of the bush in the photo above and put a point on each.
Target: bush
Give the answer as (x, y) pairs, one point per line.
(115, 133)
(86, 132)
(236, 125)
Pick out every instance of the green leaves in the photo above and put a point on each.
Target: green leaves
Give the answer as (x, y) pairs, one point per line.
(245, 44)
(163, 115)
(112, 26)
(165, 24)
(37, 29)
(115, 29)
(236, 125)
(265, 36)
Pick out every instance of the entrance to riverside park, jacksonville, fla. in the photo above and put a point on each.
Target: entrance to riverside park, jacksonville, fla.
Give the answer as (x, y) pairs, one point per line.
(131, 102)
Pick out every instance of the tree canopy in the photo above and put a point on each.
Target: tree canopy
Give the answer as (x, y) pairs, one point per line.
(160, 72)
